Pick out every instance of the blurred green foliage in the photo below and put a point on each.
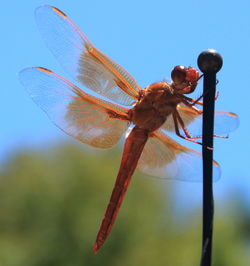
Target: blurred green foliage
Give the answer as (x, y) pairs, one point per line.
(52, 203)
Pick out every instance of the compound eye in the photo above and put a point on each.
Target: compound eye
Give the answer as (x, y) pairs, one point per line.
(192, 75)
(178, 74)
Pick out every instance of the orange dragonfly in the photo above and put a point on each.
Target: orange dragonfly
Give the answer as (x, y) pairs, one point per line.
(113, 103)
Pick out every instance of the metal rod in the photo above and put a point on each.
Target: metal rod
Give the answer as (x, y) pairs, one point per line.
(209, 63)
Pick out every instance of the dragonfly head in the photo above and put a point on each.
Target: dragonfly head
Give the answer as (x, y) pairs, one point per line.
(184, 79)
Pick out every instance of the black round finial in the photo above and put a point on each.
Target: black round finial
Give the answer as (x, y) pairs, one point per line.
(210, 61)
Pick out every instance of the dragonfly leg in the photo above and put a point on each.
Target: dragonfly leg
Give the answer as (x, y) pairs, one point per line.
(188, 137)
(197, 101)
(221, 137)
(177, 118)
(193, 102)
(177, 131)
(194, 108)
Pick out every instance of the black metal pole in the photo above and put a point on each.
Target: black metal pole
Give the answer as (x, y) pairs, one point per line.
(209, 62)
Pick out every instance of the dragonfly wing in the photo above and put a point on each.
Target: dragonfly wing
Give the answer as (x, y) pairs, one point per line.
(76, 112)
(82, 60)
(224, 122)
(165, 158)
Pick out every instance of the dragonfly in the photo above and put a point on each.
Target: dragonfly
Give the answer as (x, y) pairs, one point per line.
(111, 103)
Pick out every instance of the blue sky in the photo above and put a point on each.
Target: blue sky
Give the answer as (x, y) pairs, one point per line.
(147, 38)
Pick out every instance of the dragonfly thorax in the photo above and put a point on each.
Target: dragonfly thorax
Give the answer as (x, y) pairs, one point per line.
(157, 102)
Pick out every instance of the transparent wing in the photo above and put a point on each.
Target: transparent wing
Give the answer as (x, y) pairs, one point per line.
(163, 157)
(82, 60)
(77, 113)
(224, 122)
